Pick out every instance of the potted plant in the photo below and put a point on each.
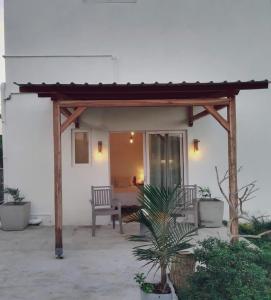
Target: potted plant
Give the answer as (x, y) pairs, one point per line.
(14, 214)
(167, 238)
(210, 209)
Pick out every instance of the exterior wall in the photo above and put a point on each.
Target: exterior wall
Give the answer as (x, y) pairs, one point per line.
(154, 40)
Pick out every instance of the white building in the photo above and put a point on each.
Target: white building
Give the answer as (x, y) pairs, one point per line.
(132, 41)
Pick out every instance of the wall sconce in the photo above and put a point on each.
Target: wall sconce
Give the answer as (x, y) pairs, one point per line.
(196, 145)
(100, 146)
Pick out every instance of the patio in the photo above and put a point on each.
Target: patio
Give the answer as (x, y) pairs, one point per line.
(93, 268)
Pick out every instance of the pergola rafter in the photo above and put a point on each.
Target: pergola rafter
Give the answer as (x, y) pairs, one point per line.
(78, 97)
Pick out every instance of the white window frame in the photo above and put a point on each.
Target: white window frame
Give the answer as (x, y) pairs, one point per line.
(73, 131)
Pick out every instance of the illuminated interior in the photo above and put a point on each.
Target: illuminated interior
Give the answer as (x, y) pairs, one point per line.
(126, 157)
(126, 166)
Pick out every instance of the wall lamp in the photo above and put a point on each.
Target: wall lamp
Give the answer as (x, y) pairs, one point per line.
(196, 145)
(100, 146)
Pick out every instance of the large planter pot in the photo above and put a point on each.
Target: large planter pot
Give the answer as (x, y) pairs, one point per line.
(145, 296)
(14, 216)
(182, 267)
(211, 212)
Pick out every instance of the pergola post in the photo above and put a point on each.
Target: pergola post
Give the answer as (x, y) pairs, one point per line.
(57, 179)
(232, 160)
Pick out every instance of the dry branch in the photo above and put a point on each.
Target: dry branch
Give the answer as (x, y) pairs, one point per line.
(238, 211)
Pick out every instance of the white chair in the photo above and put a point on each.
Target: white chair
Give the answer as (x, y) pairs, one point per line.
(103, 205)
(187, 205)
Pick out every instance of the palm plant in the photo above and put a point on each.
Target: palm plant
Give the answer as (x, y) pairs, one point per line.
(167, 237)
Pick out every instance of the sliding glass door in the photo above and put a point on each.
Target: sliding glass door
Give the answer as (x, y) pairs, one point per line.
(166, 159)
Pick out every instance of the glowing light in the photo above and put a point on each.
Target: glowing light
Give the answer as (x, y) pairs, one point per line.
(195, 155)
(100, 152)
(131, 140)
(132, 133)
(140, 175)
(99, 156)
(196, 145)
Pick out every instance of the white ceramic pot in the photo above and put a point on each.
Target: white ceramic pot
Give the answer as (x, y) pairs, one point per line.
(14, 216)
(145, 296)
(211, 212)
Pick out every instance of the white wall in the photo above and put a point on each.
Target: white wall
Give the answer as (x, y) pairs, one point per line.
(149, 41)
(28, 151)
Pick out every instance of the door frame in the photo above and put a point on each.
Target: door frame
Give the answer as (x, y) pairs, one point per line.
(184, 159)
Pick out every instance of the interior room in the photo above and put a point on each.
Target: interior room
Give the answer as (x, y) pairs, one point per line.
(126, 166)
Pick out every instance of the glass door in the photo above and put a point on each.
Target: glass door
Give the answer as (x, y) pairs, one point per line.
(166, 159)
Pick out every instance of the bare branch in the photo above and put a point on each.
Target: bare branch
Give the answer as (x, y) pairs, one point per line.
(257, 236)
(247, 194)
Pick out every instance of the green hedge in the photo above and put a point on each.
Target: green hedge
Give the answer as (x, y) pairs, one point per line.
(227, 272)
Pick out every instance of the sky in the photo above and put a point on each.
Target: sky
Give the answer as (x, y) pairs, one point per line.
(2, 64)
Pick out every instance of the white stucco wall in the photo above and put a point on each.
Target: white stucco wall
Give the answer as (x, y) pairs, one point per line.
(154, 40)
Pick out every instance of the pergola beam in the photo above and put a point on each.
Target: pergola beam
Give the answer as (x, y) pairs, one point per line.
(212, 111)
(144, 103)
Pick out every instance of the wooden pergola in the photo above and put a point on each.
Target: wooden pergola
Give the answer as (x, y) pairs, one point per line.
(71, 100)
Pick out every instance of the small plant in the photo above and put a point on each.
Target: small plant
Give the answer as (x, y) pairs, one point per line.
(227, 271)
(15, 194)
(146, 287)
(205, 192)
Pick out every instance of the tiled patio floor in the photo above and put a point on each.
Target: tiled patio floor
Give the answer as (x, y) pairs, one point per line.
(97, 268)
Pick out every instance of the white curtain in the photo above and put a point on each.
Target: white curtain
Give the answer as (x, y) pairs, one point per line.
(166, 159)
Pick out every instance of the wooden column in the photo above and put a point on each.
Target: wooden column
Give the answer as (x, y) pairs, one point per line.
(57, 180)
(190, 116)
(233, 188)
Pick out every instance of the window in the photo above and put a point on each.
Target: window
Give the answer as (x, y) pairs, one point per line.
(81, 147)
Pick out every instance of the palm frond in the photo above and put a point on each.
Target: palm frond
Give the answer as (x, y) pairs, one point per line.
(167, 237)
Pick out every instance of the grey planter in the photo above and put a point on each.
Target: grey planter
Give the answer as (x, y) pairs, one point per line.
(14, 216)
(145, 296)
(211, 212)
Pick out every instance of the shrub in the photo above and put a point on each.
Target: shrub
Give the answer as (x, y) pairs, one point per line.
(227, 272)
(255, 226)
